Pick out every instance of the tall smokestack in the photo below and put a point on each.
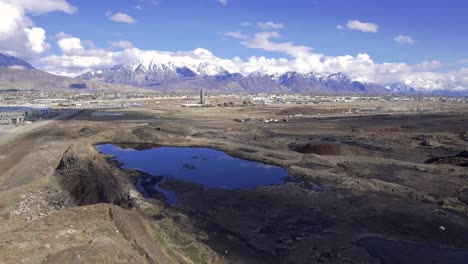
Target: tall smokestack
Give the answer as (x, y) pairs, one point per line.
(202, 99)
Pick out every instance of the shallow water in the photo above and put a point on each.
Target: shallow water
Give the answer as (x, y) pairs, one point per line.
(212, 169)
(389, 252)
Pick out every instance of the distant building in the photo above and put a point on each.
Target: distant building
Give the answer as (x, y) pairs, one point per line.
(11, 118)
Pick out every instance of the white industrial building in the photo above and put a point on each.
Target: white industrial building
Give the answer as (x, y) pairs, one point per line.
(11, 118)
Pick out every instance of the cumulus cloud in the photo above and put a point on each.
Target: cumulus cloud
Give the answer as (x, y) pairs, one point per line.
(36, 39)
(121, 17)
(361, 26)
(235, 34)
(404, 39)
(18, 34)
(269, 25)
(70, 45)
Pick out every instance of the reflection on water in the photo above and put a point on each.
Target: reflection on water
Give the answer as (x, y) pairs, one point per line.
(212, 169)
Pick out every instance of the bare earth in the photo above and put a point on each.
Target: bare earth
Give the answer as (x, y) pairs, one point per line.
(394, 188)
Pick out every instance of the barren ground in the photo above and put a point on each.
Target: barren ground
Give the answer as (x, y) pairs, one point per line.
(394, 188)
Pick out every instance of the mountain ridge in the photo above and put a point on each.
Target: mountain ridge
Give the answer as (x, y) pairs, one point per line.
(164, 77)
(17, 74)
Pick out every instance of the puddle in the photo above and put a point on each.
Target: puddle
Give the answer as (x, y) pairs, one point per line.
(210, 168)
(389, 252)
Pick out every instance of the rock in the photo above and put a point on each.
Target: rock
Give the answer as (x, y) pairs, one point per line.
(357, 130)
(464, 135)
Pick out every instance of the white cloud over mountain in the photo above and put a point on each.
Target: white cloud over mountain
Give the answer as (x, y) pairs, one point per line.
(77, 59)
(124, 44)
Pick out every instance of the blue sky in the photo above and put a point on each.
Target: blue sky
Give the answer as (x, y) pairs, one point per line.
(421, 43)
(439, 28)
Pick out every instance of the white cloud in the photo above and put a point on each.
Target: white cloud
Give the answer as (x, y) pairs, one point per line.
(223, 2)
(124, 44)
(340, 27)
(11, 19)
(428, 65)
(18, 34)
(121, 17)
(43, 6)
(262, 41)
(269, 25)
(235, 34)
(76, 59)
(36, 39)
(70, 45)
(63, 35)
(362, 26)
(404, 39)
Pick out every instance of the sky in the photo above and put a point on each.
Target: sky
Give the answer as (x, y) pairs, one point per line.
(422, 43)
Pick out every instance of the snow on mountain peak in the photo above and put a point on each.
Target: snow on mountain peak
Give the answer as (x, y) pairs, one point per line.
(337, 77)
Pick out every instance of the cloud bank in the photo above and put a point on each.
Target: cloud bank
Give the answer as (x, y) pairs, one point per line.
(77, 59)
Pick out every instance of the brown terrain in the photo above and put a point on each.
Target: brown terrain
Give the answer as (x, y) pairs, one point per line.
(390, 187)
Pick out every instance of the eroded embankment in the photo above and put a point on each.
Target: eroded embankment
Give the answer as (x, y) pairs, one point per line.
(91, 180)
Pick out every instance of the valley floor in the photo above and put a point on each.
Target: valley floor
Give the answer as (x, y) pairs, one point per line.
(394, 189)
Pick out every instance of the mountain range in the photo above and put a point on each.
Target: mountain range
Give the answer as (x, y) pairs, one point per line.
(17, 74)
(186, 78)
(150, 75)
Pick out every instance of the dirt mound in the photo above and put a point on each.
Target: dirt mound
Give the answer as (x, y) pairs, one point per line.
(146, 133)
(178, 128)
(328, 149)
(463, 195)
(464, 135)
(90, 180)
(357, 130)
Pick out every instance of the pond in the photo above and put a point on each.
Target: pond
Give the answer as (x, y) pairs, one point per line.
(210, 168)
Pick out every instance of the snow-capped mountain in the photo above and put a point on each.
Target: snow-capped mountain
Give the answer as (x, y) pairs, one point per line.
(210, 76)
(401, 88)
(151, 73)
(190, 75)
(7, 61)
